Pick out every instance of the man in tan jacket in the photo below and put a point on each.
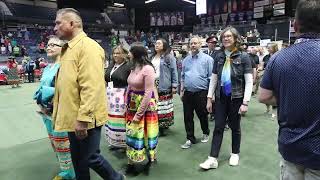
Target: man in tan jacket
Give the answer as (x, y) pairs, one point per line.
(80, 103)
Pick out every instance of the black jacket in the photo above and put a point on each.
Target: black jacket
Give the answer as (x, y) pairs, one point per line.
(120, 76)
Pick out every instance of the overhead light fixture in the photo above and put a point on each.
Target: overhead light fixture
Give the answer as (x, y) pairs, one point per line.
(149, 1)
(118, 4)
(188, 1)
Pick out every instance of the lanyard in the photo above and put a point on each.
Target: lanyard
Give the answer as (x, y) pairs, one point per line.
(115, 68)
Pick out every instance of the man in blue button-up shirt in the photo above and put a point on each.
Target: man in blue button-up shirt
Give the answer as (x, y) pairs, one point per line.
(195, 79)
(291, 81)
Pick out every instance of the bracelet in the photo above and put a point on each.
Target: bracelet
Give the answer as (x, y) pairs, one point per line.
(244, 104)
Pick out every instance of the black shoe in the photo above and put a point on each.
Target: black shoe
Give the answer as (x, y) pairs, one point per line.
(162, 132)
(149, 165)
(131, 170)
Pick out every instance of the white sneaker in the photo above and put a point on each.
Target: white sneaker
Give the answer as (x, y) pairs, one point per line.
(205, 138)
(210, 163)
(234, 159)
(186, 145)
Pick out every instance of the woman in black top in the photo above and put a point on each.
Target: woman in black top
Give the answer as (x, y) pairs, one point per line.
(229, 92)
(116, 78)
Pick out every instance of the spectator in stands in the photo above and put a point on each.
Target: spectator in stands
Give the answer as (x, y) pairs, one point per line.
(230, 91)
(14, 42)
(43, 96)
(19, 34)
(26, 35)
(291, 81)
(10, 34)
(9, 49)
(23, 50)
(16, 51)
(195, 79)
(80, 100)
(6, 41)
(166, 81)
(3, 49)
(41, 47)
(13, 76)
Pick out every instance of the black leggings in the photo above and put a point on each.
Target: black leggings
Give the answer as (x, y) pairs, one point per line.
(226, 109)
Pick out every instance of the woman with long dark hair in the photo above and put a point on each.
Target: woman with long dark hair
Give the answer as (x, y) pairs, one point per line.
(166, 81)
(230, 91)
(142, 119)
(116, 78)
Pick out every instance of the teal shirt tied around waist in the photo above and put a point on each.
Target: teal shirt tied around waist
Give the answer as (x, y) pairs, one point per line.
(45, 92)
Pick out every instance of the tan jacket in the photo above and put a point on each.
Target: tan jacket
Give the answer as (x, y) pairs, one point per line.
(80, 86)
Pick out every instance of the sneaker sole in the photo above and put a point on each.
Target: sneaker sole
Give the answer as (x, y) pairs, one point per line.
(234, 165)
(204, 141)
(207, 168)
(185, 147)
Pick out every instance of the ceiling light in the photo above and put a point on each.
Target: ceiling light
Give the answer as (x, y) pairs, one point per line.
(188, 1)
(149, 1)
(118, 4)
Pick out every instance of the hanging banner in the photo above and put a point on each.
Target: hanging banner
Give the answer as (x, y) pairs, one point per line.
(249, 15)
(209, 21)
(216, 19)
(232, 17)
(224, 18)
(241, 16)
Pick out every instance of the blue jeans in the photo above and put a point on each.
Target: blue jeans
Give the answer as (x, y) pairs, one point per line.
(86, 154)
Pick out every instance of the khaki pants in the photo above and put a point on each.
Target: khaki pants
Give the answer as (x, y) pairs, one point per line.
(258, 81)
(290, 171)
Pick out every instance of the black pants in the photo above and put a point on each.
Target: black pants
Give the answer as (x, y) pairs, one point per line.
(31, 76)
(226, 109)
(85, 154)
(195, 101)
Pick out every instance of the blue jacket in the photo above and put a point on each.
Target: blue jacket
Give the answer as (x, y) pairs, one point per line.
(168, 73)
(45, 92)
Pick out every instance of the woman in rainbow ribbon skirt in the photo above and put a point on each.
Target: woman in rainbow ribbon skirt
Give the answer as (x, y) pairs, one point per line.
(167, 83)
(142, 119)
(116, 78)
(230, 92)
(43, 96)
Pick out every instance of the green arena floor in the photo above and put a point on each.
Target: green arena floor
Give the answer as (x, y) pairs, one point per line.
(27, 155)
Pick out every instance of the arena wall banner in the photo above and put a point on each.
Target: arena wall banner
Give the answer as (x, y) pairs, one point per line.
(224, 18)
(217, 19)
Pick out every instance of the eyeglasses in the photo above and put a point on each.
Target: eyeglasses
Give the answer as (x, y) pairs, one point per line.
(227, 36)
(51, 45)
(212, 42)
